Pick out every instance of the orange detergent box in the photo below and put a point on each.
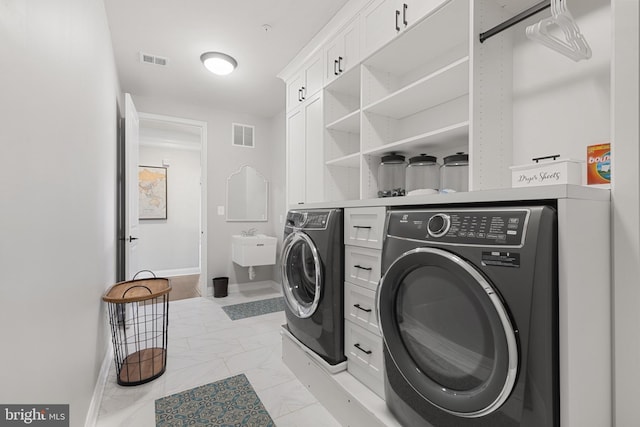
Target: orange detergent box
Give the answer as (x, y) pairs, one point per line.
(599, 164)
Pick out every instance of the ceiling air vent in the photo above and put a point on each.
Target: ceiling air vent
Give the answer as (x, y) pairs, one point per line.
(153, 59)
(243, 135)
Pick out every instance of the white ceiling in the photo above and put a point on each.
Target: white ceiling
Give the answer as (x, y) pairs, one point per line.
(181, 30)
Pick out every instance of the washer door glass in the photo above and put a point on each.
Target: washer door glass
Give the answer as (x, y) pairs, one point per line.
(301, 274)
(447, 332)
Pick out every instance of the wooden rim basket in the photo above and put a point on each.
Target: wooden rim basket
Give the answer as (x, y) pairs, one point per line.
(139, 318)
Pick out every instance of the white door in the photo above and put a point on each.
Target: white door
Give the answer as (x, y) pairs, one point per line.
(381, 22)
(331, 54)
(313, 151)
(414, 10)
(296, 157)
(131, 141)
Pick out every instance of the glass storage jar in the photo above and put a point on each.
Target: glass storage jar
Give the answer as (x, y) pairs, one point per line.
(423, 173)
(454, 173)
(391, 175)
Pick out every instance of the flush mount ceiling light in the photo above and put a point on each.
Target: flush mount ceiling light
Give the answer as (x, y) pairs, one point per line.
(218, 63)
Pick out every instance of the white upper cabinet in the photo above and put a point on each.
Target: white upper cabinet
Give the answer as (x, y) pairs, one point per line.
(382, 20)
(343, 51)
(379, 25)
(305, 83)
(305, 152)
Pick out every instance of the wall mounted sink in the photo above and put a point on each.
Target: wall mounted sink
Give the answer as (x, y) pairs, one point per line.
(249, 251)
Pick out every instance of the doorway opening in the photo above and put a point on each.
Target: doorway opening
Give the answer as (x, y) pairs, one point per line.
(174, 246)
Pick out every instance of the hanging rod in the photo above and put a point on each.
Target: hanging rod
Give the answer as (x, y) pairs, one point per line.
(513, 21)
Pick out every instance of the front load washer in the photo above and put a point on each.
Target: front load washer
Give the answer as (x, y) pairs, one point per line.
(468, 308)
(312, 267)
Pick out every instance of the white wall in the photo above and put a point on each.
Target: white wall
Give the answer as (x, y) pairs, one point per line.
(223, 159)
(625, 196)
(174, 243)
(561, 106)
(57, 188)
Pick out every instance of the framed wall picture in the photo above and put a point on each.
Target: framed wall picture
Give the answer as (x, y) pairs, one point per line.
(152, 191)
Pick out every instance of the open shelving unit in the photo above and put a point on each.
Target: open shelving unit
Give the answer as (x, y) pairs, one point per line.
(415, 93)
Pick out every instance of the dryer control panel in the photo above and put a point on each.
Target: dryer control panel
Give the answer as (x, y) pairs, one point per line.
(481, 227)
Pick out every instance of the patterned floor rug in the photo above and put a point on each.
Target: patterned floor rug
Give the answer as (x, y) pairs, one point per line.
(254, 308)
(228, 402)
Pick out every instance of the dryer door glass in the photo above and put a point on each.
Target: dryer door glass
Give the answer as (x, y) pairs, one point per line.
(447, 332)
(301, 274)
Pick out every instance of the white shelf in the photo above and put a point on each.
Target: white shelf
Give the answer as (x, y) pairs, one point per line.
(349, 123)
(445, 84)
(438, 137)
(349, 161)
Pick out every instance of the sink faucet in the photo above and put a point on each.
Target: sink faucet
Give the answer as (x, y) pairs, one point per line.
(250, 232)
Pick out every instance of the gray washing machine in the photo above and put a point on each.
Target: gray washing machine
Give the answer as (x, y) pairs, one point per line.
(312, 267)
(468, 308)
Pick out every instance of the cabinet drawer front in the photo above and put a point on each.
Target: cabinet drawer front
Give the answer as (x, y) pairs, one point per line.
(362, 266)
(364, 350)
(360, 307)
(364, 226)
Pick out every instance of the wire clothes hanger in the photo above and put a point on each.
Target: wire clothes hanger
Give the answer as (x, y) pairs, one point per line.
(573, 45)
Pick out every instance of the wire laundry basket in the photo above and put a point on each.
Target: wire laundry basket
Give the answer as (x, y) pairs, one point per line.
(139, 318)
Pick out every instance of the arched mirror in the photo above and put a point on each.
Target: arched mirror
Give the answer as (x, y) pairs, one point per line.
(247, 195)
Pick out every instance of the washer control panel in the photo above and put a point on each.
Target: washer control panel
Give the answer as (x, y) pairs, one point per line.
(308, 219)
(482, 227)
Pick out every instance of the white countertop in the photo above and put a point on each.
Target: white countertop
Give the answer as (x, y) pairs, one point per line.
(549, 192)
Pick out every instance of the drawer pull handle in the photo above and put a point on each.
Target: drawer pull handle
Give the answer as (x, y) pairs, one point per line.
(358, 306)
(357, 345)
(363, 268)
(362, 226)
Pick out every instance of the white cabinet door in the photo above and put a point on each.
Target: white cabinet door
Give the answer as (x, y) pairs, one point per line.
(312, 77)
(380, 24)
(332, 51)
(351, 49)
(305, 153)
(305, 83)
(294, 91)
(295, 157)
(412, 11)
(314, 150)
(343, 52)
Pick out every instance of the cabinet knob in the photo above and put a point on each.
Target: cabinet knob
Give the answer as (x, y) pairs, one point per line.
(397, 16)
(340, 70)
(335, 67)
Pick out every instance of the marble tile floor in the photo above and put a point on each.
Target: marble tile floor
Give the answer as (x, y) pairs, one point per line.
(206, 346)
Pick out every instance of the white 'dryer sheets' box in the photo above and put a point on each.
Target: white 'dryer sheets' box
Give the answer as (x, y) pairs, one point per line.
(550, 172)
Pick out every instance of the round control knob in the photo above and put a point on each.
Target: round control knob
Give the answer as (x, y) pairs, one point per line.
(302, 219)
(438, 225)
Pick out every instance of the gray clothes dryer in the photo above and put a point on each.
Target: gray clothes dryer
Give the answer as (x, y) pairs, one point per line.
(468, 307)
(312, 267)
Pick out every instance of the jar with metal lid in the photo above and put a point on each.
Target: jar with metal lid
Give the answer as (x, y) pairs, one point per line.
(391, 175)
(454, 173)
(423, 173)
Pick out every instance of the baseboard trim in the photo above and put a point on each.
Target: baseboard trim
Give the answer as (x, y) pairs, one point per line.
(98, 391)
(177, 272)
(238, 287)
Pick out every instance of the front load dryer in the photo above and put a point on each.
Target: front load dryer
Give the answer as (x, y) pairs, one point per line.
(312, 268)
(468, 308)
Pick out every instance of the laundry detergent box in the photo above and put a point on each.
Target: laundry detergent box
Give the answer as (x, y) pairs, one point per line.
(599, 164)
